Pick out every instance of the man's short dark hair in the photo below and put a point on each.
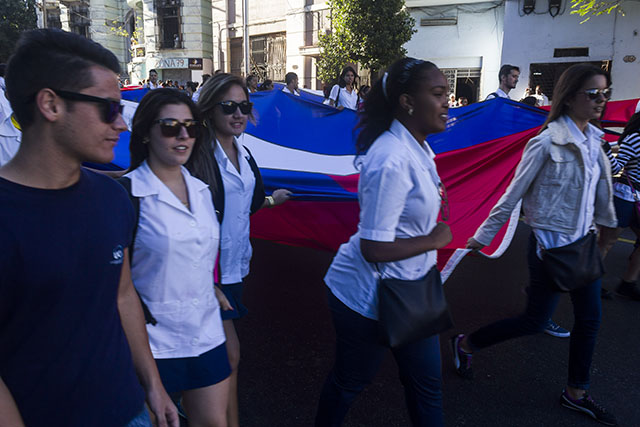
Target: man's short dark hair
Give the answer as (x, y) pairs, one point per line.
(289, 77)
(250, 78)
(505, 70)
(51, 58)
(205, 77)
(152, 71)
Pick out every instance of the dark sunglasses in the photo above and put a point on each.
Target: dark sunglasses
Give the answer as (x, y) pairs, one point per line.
(230, 107)
(594, 94)
(110, 108)
(171, 127)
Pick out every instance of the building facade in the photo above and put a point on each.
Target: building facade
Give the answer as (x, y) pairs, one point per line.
(282, 37)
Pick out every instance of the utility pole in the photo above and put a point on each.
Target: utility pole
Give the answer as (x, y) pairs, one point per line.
(245, 33)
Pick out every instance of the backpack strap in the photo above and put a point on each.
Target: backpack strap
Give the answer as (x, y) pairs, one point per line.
(338, 96)
(135, 201)
(495, 95)
(258, 192)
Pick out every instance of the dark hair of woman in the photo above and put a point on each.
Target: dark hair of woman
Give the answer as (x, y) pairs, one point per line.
(633, 125)
(147, 112)
(345, 70)
(567, 87)
(381, 106)
(204, 165)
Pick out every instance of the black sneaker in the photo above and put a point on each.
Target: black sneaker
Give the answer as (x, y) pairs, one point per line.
(588, 406)
(628, 290)
(461, 359)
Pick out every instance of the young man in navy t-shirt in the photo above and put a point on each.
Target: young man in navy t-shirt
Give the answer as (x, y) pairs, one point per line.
(73, 344)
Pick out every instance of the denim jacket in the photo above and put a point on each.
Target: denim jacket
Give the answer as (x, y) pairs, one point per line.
(550, 180)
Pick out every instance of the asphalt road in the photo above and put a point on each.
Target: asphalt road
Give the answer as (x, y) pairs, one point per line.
(287, 348)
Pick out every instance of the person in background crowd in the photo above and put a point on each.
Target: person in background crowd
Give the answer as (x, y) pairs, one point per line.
(174, 254)
(399, 196)
(10, 134)
(463, 102)
(530, 100)
(345, 93)
(562, 203)
(626, 196)
(196, 94)
(74, 350)
(452, 101)
(153, 80)
(508, 78)
(541, 97)
(266, 85)
(252, 83)
(363, 92)
(230, 170)
(291, 84)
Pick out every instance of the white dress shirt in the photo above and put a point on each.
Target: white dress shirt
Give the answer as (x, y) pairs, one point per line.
(286, 90)
(346, 99)
(589, 144)
(10, 136)
(399, 197)
(172, 269)
(500, 93)
(235, 254)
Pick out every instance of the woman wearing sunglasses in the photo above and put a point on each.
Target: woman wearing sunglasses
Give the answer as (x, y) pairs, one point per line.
(398, 234)
(173, 256)
(564, 182)
(626, 192)
(230, 170)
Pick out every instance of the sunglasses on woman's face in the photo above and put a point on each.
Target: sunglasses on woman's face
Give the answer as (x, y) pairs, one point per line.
(594, 94)
(171, 127)
(230, 107)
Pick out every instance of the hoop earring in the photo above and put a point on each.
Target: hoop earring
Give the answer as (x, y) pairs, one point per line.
(410, 111)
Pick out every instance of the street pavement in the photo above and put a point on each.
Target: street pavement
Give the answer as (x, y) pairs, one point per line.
(287, 349)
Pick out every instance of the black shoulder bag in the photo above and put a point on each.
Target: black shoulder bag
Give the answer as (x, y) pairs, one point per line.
(575, 265)
(410, 310)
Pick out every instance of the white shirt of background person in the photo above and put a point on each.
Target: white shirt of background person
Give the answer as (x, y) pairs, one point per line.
(295, 92)
(235, 246)
(10, 136)
(172, 269)
(346, 99)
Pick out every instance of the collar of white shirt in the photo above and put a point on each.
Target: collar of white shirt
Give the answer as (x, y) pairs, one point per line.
(145, 183)
(221, 156)
(421, 151)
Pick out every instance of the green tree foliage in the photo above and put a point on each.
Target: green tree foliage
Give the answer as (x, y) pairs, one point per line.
(368, 32)
(589, 8)
(16, 16)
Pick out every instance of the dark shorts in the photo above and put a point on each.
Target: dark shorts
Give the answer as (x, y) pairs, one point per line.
(188, 373)
(234, 295)
(626, 212)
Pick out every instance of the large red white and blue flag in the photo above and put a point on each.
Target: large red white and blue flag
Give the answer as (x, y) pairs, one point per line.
(309, 148)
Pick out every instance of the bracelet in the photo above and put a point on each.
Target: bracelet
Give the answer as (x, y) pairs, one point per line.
(270, 201)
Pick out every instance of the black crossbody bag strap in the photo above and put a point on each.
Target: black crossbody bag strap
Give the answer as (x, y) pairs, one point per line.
(135, 201)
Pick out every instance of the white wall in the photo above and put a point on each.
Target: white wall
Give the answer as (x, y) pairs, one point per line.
(476, 41)
(533, 38)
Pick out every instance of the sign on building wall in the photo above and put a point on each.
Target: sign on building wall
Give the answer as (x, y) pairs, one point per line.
(195, 63)
(172, 63)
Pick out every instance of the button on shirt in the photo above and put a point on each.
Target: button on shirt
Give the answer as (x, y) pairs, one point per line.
(399, 197)
(589, 145)
(173, 259)
(236, 250)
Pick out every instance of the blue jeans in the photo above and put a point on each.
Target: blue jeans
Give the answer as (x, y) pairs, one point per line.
(543, 300)
(358, 358)
(140, 420)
